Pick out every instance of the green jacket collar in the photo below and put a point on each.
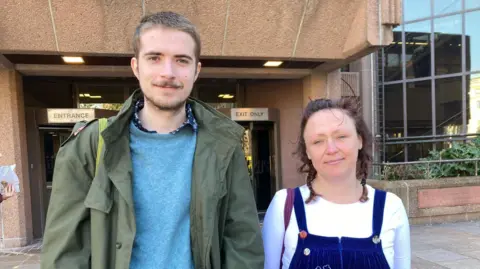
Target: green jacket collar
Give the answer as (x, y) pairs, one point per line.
(214, 122)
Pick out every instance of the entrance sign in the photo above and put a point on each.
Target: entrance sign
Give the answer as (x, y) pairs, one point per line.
(70, 115)
(249, 114)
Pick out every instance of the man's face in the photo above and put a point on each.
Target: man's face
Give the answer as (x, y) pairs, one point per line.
(166, 67)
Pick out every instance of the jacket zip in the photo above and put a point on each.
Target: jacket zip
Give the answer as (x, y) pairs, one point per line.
(340, 249)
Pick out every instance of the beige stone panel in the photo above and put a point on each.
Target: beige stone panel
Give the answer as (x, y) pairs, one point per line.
(445, 197)
(16, 212)
(26, 26)
(324, 30)
(357, 32)
(334, 82)
(448, 218)
(420, 221)
(321, 85)
(473, 216)
(379, 32)
(208, 15)
(92, 26)
(314, 86)
(448, 210)
(391, 11)
(286, 96)
(262, 28)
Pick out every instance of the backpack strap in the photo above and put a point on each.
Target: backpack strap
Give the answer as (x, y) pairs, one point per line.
(102, 124)
(287, 213)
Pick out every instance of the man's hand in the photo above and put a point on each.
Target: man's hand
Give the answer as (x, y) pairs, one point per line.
(9, 192)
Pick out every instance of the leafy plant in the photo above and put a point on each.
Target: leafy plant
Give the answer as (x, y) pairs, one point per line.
(458, 150)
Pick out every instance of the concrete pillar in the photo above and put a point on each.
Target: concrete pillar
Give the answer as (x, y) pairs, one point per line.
(367, 69)
(15, 213)
(367, 75)
(321, 84)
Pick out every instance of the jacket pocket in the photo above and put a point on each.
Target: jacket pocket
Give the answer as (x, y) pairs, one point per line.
(97, 198)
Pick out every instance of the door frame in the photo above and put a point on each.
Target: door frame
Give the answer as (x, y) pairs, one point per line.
(269, 115)
(39, 121)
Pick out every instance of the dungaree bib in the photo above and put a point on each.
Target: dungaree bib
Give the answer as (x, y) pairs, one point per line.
(321, 252)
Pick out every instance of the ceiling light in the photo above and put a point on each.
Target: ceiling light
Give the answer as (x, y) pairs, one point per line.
(95, 96)
(81, 95)
(226, 96)
(73, 60)
(273, 63)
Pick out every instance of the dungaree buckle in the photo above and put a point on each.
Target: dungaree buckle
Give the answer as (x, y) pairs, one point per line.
(376, 239)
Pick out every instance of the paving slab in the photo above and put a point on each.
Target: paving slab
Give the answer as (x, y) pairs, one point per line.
(439, 246)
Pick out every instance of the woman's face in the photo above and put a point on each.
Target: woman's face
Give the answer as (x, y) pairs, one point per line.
(332, 144)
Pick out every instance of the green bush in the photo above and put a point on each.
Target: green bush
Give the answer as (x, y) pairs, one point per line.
(459, 150)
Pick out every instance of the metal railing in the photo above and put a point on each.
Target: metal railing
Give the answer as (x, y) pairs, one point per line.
(426, 169)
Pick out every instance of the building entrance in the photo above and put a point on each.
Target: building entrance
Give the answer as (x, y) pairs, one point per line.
(261, 148)
(47, 129)
(259, 151)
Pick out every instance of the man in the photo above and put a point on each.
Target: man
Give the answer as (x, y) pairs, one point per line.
(172, 187)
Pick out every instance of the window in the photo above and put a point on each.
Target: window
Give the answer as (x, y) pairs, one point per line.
(473, 104)
(418, 150)
(393, 57)
(416, 9)
(434, 63)
(418, 49)
(394, 111)
(419, 108)
(395, 153)
(99, 96)
(218, 93)
(472, 40)
(448, 105)
(472, 4)
(448, 45)
(446, 6)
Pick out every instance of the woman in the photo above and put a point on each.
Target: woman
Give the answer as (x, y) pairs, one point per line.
(337, 220)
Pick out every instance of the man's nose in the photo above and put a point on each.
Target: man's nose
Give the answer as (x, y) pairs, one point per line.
(167, 69)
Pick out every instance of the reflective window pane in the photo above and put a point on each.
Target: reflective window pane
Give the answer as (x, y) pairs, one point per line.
(416, 9)
(419, 108)
(472, 4)
(393, 57)
(101, 96)
(418, 49)
(219, 93)
(448, 45)
(472, 39)
(418, 150)
(393, 111)
(43, 92)
(448, 105)
(394, 153)
(473, 103)
(446, 6)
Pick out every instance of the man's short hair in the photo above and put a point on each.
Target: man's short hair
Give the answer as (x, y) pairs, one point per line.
(169, 20)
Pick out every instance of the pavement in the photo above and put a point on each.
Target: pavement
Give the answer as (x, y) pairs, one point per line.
(453, 245)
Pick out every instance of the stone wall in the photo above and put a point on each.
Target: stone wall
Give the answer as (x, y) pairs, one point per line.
(432, 201)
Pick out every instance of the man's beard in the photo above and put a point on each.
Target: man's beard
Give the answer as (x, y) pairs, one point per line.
(165, 106)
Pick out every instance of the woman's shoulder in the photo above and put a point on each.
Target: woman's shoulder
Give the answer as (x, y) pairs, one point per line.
(393, 202)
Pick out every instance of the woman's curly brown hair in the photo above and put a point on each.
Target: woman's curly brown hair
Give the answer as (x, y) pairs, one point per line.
(351, 107)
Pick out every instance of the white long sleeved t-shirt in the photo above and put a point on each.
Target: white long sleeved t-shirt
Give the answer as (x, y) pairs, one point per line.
(325, 218)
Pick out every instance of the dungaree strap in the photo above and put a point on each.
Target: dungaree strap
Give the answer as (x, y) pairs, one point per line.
(300, 211)
(378, 208)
